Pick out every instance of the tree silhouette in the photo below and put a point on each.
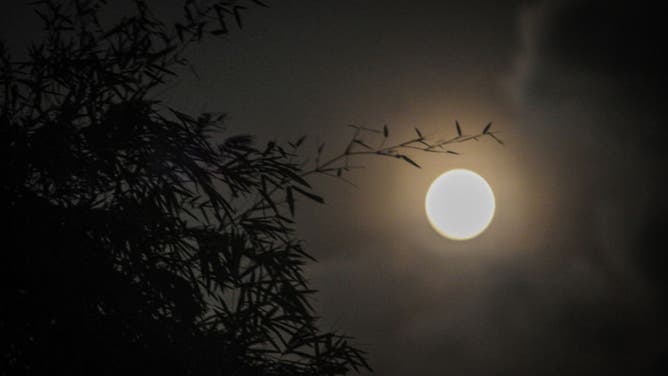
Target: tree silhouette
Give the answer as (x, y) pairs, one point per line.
(136, 243)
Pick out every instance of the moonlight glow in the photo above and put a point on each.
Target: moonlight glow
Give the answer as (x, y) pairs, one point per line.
(460, 204)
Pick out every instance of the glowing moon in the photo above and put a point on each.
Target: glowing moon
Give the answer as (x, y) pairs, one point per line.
(460, 204)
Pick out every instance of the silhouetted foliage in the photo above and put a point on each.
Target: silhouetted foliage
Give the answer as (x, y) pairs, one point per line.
(136, 242)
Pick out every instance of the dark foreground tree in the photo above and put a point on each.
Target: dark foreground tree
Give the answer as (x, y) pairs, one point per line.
(135, 242)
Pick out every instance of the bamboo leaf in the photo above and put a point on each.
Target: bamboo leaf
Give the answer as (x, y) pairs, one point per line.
(260, 3)
(297, 178)
(291, 200)
(237, 15)
(489, 125)
(496, 138)
(360, 142)
(405, 158)
(310, 195)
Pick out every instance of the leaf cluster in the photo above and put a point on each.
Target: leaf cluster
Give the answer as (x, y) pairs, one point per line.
(145, 239)
(138, 243)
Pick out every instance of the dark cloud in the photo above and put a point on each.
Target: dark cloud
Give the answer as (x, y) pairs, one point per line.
(590, 81)
(608, 37)
(601, 53)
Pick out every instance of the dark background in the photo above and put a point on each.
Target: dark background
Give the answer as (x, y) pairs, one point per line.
(570, 276)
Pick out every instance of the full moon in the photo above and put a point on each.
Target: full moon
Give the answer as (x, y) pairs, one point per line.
(460, 204)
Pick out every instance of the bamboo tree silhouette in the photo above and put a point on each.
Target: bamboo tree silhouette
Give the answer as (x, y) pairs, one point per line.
(136, 242)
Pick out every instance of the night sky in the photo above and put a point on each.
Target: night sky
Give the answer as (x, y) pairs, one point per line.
(570, 276)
